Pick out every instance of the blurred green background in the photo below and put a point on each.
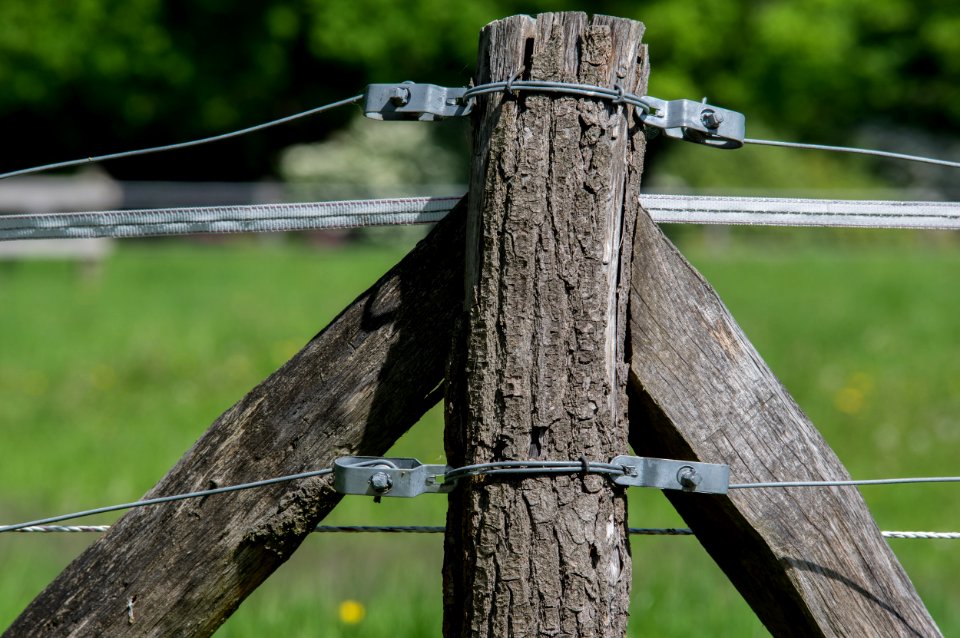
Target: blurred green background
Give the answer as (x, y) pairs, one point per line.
(92, 76)
(106, 380)
(109, 372)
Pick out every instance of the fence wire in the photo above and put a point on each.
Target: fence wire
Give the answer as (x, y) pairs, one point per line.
(180, 145)
(439, 529)
(868, 214)
(520, 469)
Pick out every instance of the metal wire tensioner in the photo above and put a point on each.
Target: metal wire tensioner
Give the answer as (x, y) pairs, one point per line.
(688, 120)
(407, 477)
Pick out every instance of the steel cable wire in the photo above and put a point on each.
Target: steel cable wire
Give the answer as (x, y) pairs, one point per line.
(617, 95)
(438, 529)
(179, 145)
(854, 150)
(521, 468)
(165, 499)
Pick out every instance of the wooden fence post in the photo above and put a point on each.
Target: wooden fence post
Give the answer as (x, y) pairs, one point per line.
(539, 370)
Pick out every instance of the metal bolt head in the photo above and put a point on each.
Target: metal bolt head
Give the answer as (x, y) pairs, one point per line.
(688, 478)
(381, 482)
(711, 118)
(399, 96)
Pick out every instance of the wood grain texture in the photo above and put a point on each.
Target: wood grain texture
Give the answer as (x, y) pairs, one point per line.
(811, 562)
(181, 569)
(538, 372)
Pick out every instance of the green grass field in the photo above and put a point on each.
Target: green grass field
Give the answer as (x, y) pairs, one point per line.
(106, 379)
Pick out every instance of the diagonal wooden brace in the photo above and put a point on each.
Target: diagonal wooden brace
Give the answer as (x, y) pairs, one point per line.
(354, 389)
(810, 562)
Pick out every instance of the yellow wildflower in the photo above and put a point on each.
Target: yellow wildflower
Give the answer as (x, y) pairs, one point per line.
(849, 400)
(352, 612)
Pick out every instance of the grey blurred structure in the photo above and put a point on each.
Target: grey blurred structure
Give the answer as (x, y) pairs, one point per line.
(89, 190)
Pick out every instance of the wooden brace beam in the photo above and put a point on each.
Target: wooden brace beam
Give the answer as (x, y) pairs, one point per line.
(811, 561)
(182, 568)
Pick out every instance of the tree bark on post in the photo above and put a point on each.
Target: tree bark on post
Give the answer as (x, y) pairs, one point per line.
(538, 369)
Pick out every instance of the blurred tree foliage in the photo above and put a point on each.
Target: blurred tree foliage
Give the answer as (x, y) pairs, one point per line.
(92, 76)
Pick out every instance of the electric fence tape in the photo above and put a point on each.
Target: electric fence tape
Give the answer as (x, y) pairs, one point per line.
(696, 122)
(268, 218)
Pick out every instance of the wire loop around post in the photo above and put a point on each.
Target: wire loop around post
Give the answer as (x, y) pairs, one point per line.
(513, 76)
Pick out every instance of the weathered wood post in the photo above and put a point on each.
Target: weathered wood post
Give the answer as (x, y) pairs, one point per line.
(539, 370)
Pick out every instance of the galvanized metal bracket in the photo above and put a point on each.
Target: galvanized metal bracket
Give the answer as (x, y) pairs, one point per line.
(413, 101)
(406, 478)
(375, 476)
(669, 474)
(697, 122)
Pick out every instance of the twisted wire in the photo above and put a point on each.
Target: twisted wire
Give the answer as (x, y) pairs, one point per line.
(845, 483)
(439, 529)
